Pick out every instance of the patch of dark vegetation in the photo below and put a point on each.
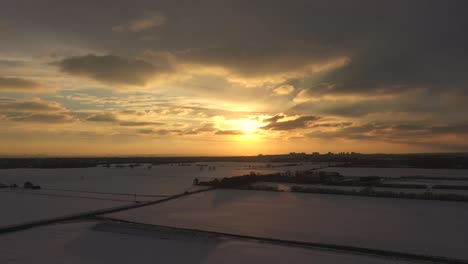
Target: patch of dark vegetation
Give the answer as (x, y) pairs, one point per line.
(307, 177)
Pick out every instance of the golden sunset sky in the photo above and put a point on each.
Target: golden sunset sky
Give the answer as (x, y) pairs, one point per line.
(232, 77)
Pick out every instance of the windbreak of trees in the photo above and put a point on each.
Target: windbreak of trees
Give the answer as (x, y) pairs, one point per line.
(287, 177)
(246, 182)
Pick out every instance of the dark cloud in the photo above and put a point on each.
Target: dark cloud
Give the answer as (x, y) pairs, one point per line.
(17, 84)
(137, 123)
(111, 69)
(260, 61)
(450, 106)
(300, 122)
(43, 118)
(274, 119)
(229, 132)
(332, 125)
(141, 24)
(407, 133)
(36, 106)
(159, 132)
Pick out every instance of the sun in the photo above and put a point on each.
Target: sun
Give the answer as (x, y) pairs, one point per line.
(247, 126)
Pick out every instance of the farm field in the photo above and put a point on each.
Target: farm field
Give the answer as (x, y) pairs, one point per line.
(422, 227)
(83, 243)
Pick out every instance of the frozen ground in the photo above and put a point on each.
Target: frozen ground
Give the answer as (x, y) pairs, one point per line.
(19, 207)
(159, 180)
(420, 227)
(79, 243)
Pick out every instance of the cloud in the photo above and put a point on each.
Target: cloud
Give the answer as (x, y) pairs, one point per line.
(139, 123)
(18, 84)
(43, 118)
(274, 119)
(256, 66)
(284, 89)
(159, 132)
(142, 24)
(332, 125)
(112, 69)
(110, 117)
(229, 132)
(105, 117)
(37, 105)
(205, 127)
(404, 133)
(298, 123)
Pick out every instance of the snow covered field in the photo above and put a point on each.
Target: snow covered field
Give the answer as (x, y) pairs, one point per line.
(80, 243)
(22, 207)
(421, 227)
(159, 180)
(398, 172)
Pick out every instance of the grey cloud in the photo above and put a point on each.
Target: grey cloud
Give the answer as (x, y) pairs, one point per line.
(259, 61)
(137, 123)
(17, 84)
(274, 118)
(111, 69)
(229, 132)
(141, 24)
(43, 118)
(36, 106)
(450, 106)
(300, 122)
(332, 125)
(159, 132)
(404, 132)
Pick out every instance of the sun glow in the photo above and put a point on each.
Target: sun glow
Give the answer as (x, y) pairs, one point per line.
(247, 126)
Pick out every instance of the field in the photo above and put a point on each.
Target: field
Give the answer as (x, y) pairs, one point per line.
(83, 243)
(159, 180)
(423, 227)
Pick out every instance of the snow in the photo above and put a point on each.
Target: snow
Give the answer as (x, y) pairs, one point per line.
(80, 243)
(398, 172)
(415, 226)
(23, 207)
(160, 180)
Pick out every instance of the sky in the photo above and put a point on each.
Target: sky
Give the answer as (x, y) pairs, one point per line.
(232, 77)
